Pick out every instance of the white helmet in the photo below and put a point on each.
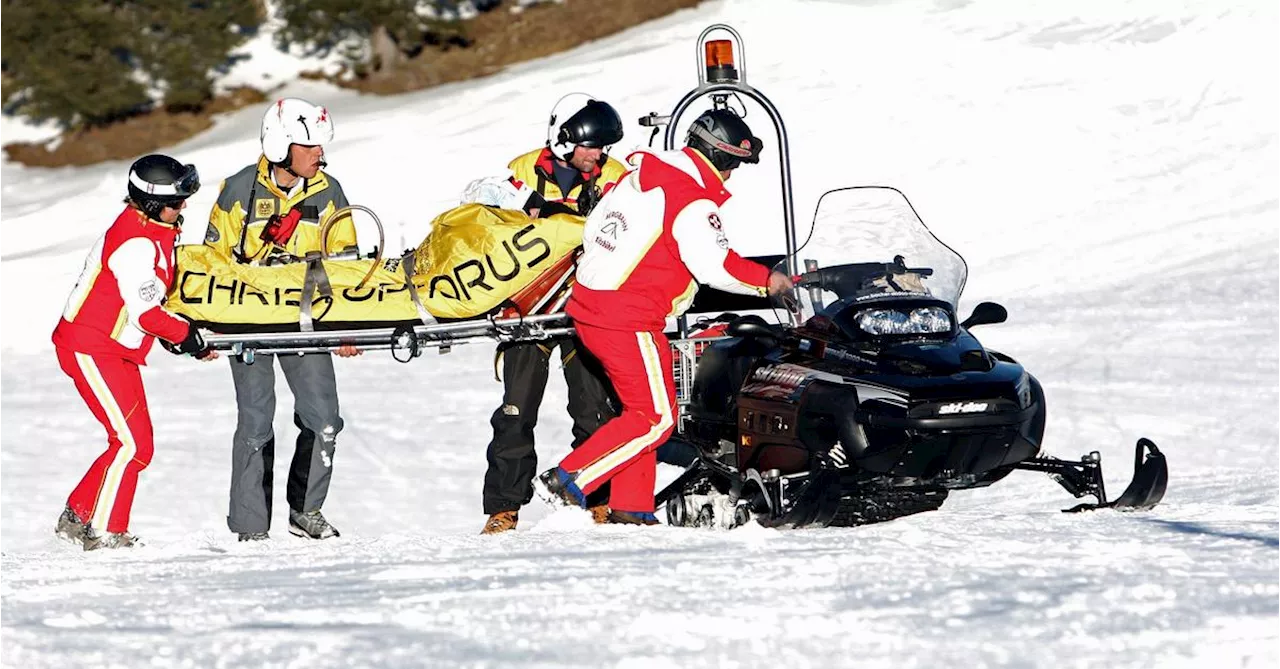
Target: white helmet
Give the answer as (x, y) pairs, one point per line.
(294, 121)
(581, 120)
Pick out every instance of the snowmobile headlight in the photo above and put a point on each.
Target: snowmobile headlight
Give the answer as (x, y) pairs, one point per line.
(923, 320)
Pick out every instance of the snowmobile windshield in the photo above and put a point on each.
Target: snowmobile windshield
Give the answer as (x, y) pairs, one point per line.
(867, 243)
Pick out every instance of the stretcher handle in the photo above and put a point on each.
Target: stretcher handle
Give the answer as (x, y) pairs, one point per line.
(382, 238)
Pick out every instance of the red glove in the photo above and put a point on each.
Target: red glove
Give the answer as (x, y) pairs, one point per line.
(279, 228)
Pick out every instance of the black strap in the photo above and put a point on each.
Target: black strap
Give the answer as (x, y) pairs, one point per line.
(587, 196)
(238, 250)
(542, 181)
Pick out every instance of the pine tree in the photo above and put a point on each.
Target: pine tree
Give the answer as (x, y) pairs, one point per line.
(181, 44)
(91, 62)
(371, 35)
(69, 61)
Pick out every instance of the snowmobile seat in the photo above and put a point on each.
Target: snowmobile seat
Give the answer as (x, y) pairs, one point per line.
(724, 366)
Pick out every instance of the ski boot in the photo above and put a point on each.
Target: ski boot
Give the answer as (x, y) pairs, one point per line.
(560, 489)
(617, 517)
(94, 540)
(310, 525)
(502, 521)
(70, 527)
(253, 536)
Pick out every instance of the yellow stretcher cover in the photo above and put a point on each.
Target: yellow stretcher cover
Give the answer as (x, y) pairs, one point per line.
(475, 259)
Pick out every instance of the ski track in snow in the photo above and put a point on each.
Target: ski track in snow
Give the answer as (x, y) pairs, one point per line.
(1108, 170)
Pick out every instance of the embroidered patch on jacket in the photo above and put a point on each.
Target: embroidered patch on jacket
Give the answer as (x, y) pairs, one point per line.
(713, 220)
(150, 291)
(263, 208)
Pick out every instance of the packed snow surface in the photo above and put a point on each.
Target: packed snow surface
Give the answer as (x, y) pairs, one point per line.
(1109, 170)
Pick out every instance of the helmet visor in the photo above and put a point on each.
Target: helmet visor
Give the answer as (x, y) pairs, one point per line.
(188, 183)
(747, 150)
(181, 188)
(595, 126)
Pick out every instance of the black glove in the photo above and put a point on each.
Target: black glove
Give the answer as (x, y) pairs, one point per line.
(193, 343)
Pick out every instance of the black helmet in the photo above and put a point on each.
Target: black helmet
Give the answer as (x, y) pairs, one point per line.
(157, 181)
(724, 138)
(579, 120)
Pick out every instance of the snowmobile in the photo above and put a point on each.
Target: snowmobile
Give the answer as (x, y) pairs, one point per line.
(878, 401)
(866, 398)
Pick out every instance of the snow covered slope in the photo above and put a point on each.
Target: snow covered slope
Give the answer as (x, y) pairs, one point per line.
(1109, 170)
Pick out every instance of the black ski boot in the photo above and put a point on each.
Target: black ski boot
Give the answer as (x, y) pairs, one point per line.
(559, 489)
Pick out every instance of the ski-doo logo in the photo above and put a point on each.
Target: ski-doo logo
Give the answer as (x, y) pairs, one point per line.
(962, 407)
(781, 375)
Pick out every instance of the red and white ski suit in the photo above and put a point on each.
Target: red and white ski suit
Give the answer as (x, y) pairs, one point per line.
(110, 321)
(646, 246)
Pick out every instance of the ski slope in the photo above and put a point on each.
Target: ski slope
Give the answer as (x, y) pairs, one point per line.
(1109, 170)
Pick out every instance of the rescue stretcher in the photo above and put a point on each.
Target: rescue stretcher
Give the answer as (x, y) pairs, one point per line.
(483, 274)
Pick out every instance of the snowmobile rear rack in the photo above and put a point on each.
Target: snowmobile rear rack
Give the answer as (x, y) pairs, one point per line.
(1084, 477)
(404, 342)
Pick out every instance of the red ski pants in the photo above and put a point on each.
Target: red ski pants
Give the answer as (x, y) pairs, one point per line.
(112, 388)
(623, 449)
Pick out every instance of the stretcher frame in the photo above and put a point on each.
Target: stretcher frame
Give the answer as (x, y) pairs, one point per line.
(405, 342)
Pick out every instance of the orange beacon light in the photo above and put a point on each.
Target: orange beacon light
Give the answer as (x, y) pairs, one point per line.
(720, 61)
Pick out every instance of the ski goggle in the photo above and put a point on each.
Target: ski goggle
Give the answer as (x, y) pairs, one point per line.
(185, 186)
(747, 151)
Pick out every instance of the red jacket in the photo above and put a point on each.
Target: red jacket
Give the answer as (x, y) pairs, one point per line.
(652, 239)
(115, 308)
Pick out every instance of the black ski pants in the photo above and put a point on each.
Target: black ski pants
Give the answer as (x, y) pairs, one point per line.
(508, 483)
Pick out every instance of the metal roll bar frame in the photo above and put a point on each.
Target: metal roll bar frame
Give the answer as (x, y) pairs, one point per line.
(719, 91)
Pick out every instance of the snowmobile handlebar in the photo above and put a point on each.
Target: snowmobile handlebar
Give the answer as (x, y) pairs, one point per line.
(847, 279)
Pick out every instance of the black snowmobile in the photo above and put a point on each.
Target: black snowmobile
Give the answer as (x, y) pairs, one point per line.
(879, 402)
(866, 398)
